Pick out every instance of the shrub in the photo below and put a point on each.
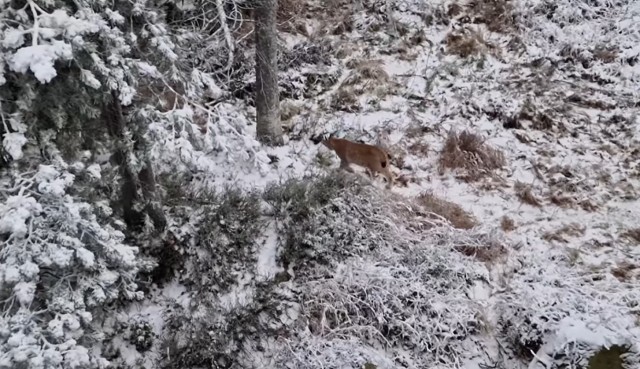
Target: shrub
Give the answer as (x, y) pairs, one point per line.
(308, 210)
(61, 265)
(469, 152)
(567, 314)
(450, 211)
(225, 247)
(525, 194)
(466, 43)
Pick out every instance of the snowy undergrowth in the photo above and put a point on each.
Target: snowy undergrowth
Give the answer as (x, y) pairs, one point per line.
(356, 268)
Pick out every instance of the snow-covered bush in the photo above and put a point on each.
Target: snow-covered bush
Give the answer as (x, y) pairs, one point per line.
(410, 301)
(226, 240)
(373, 271)
(312, 352)
(226, 330)
(308, 210)
(62, 265)
(80, 83)
(551, 311)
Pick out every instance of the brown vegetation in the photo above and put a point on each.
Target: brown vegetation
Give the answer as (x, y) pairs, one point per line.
(507, 224)
(525, 194)
(606, 54)
(467, 42)
(290, 16)
(345, 99)
(419, 149)
(561, 200)
(632, 234)
(454, 213)
(540, 119)
(367, 72)
(568, 230)
(367, 76)
(487, 253)
(624, 271)
(469, 151)
(495, 14)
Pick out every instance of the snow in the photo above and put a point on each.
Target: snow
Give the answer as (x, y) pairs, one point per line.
(13, 38)
(86, 257)
(267, 265)
(24, 292)
(40, 59)
(559, 277)
(90, 79)
(15, 212)
(13, 142)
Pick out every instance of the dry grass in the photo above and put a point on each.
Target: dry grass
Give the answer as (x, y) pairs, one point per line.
(366, 77)
(632, 234)
(468, 151)
(467, 42)
(495, 14)
(525, 194)
(485, 254)
(561, 200)
(366, 71)
(507, 224)
(537, 118)
(568, 230)
(420, 149)
(624, 271)
(417, 131)
(404, 179)
(452, 212)
(606, 54)
(324, 159)
(290, 16)
(397, 161)
(588, 205)
(345, 99)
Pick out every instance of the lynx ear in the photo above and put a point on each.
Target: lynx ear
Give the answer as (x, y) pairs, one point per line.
(315, 139)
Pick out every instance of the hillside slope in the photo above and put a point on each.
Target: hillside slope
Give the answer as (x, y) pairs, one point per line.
(523, 114)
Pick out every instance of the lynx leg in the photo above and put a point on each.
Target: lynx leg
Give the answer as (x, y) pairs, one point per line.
(344, 165)
(371, 173)
(387, 173)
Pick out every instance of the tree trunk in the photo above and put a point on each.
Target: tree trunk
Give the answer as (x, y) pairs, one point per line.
(269, 130)
(129, 190)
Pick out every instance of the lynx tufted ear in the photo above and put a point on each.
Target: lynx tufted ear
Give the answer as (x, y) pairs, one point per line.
(316, 139)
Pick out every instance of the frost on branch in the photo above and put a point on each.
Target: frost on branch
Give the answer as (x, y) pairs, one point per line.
(184, 138)
(59, 262)
(40, 59)
(12, 143)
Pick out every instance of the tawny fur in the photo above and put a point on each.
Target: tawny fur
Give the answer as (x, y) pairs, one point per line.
(373, 158)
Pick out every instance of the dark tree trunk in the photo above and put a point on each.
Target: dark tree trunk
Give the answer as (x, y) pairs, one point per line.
(268, 126)
(129, 190)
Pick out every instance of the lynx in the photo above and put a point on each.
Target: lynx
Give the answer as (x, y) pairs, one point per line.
(373, 158)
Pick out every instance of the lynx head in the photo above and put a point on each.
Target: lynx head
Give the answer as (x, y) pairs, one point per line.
(323, 137)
